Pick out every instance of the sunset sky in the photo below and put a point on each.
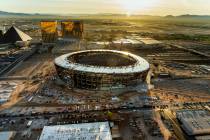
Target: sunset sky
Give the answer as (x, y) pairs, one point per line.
(143, 7)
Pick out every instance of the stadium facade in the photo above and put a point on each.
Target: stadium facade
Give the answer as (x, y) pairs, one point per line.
(101, 69)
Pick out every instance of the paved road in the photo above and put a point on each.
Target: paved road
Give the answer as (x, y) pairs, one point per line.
(177, 129)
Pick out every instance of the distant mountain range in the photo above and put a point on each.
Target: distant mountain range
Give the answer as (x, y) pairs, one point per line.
(188, 16)
(3, 13)
(9, 14)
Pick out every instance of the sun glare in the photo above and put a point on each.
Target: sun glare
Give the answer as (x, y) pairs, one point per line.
(133, 6)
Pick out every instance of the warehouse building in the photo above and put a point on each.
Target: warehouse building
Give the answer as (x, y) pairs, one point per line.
(84, 131)
(195, 122)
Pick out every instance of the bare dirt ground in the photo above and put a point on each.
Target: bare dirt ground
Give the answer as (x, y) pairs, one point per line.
(14, 97)
(190, 90)
(30, 66)
(37, 68)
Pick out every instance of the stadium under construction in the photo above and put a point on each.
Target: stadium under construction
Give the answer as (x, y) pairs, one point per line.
(101, 69)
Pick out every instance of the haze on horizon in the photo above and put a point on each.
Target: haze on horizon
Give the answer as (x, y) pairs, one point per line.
(143, 7)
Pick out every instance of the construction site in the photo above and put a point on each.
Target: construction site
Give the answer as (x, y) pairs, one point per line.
(80, 73)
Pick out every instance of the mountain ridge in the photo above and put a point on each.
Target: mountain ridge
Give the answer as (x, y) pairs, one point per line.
(5, 13)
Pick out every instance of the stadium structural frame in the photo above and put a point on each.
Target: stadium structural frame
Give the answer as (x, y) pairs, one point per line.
(101, 69)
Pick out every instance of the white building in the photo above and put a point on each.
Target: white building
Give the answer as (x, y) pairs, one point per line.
(7, 135)
(195, 122)
(84, 131)
(207, 137)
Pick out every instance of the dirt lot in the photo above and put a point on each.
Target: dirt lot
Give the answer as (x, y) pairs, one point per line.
(31, 66)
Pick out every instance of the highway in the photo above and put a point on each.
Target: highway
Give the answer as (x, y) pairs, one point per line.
(177, 129)
(16, 62)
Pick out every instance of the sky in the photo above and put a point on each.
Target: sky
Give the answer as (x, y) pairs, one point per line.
(129, 7)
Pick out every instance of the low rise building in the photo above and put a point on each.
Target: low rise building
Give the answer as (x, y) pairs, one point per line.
(195, 122)
(84, 131)
(7, 135)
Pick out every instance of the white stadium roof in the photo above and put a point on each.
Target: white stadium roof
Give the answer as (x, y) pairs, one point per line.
(141, 64)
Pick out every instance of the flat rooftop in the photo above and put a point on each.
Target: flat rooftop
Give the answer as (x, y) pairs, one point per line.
(195, 122)
(207, 137)
(83, 131)
(7, 135)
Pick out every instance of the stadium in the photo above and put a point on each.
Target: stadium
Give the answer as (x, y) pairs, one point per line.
(101, 69)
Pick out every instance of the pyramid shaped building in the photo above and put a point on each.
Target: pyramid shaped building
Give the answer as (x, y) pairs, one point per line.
(14, 34)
